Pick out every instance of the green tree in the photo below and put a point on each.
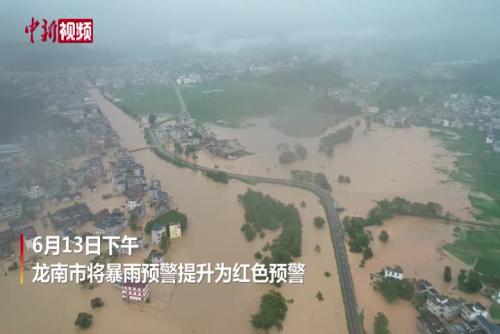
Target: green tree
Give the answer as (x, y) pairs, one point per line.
(83, 320)
(178, 148)
(132, 221)
(152, 119)
(319, 222)
(383, 236)
(96, 302)
(272, 311)
(287, 157)
(367, 253)
(381, 324)
(447, 274)
(300, 151)
(471, 283)
(249, 231)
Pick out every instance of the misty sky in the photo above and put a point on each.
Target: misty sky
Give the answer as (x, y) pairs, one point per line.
(232, 25)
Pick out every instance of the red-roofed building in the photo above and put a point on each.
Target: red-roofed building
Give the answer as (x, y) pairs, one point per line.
(135, 291)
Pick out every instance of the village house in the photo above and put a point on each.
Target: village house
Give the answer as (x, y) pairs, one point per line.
(77, 214)
(135, 291)
(395, 272)
(444, 307)
(138, 211)
(5, 240)
(157, 231)
(472, 311)
(111, 224)
(175, 231)
(430, 324)
(10, 208)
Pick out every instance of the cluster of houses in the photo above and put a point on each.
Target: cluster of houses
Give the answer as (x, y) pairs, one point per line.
(443, 314)
(184, 131)
(456, 112)
(128, 175)
(159, 199)
(449, 315)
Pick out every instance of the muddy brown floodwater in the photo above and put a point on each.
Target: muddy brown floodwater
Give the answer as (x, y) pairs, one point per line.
(383, 163)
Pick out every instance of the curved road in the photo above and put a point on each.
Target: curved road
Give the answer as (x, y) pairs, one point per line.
(350, 304)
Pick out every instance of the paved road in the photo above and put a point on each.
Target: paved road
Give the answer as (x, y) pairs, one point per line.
(346, 283)
(184, 109)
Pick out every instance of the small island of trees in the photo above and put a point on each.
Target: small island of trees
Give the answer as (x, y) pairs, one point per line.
(218, 176)
(83, 320)
(393, 289)
(319, 222)
(383, 236)
(381, 324)
(288, 156)
(328, 143)
(263, 212)
(272, 311)
(96, 302)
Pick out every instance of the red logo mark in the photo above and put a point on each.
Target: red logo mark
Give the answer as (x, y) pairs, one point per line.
(64, 31)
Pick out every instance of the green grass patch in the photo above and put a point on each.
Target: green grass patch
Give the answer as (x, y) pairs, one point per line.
(236, 100)
(495, 311)
(149, 99)
(478, 248)
(477, 166)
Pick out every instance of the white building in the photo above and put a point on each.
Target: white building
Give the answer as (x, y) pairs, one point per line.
(175, 231)
(34, 192)
(393, 272)
(135, 291)
(444, 307)
(472, 311)
(496, 297)
(156, 233)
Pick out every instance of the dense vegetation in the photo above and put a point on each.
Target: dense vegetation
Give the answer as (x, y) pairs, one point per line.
(381, 324)
(263, 212)
(469, 281)
(172, 216)
(319, 222)
(219, 176)
(386, 209)
(447, 274)
(480, 249)
(343, 179)
(393, 289)
(318, 179)
(478, 167)
(495, 311)
(96, 302)
(383, 236)
(272, 311)
(150, 99)
(83, 320)
(288, 156)
(328, 143)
